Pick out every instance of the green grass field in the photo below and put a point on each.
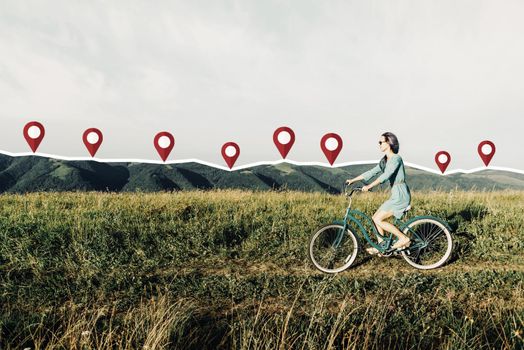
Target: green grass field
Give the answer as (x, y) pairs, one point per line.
(229, 269)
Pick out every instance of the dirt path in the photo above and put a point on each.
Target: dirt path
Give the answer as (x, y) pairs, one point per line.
(369, 267)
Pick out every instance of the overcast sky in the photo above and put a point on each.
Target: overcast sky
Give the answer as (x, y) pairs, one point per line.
(441, 75)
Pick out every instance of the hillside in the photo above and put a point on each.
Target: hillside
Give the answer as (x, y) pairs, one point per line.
(34, 173)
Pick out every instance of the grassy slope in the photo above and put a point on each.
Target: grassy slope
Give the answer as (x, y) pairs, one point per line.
(35, 173)
(229, 268)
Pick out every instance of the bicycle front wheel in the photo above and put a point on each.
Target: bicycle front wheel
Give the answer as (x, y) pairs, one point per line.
(331, 249)
(431, 244)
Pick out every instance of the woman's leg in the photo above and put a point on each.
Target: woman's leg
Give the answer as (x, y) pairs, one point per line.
(381, 216)
(373, 250)
(376, 220)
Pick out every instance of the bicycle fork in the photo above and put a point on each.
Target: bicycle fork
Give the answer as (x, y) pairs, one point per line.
(340, 235)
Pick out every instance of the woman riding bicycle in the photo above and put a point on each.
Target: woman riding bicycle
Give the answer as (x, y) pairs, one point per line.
(392, 167)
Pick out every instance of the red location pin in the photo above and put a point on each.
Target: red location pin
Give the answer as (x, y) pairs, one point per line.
(284, 138)
(164, 143)
(230, 153)
(34, 133)
(442, 159)
(486, 151)
(92, 139)
(331, 145)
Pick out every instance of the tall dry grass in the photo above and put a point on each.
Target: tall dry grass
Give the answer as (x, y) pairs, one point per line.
(228, 269)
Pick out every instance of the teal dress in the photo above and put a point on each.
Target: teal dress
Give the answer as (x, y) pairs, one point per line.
(394, 172)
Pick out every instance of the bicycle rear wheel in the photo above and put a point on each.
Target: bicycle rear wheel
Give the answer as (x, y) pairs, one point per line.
(331, 249)
(431, 244)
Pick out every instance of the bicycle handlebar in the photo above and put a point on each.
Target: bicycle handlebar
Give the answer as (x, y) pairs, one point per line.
(351, 190)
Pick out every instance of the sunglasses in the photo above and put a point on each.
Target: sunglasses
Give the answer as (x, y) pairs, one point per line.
(381, 142)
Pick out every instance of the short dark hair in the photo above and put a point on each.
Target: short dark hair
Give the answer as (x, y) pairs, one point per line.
(392, 140)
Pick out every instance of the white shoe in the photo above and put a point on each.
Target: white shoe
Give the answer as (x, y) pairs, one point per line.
(372, 250)
(401, 244)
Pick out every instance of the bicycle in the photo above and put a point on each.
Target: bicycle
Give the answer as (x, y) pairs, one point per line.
(334, 247)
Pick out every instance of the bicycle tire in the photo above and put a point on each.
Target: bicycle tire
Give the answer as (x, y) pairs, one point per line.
(433, 235)
(321, 246)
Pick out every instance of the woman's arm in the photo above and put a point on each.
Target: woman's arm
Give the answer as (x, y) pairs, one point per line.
(355, 179)
(391, 166)
(367, 175)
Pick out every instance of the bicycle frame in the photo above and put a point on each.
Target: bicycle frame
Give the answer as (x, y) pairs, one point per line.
(334, 247)
(352, 215)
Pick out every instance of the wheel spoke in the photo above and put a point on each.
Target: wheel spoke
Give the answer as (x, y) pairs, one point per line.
(417, 255)
(417, 236)
(434, 236)
(422, 231)
(435, 245)
(429, 234)
(332, 249)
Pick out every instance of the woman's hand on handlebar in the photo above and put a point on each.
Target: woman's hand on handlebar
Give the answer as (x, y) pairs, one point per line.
(366, 188)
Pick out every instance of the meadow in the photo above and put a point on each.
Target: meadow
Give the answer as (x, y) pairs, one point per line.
(229, 269)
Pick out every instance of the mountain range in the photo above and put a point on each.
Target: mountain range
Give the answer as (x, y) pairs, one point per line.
(23, 174)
